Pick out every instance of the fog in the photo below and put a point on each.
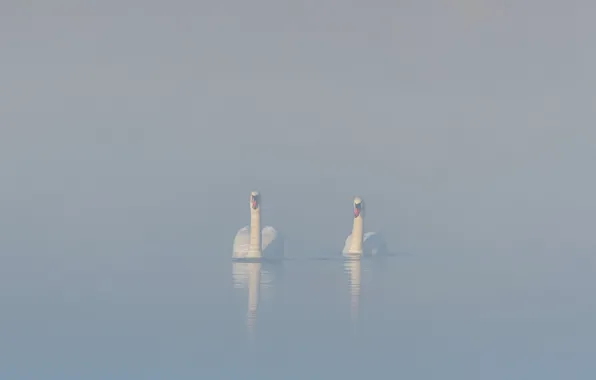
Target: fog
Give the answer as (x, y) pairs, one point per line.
(132, 132)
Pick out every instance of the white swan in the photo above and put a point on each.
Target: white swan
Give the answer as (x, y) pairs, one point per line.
(252, 243)
(359, 243)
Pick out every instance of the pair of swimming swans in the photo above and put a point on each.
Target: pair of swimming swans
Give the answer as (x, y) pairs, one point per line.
(252, 244)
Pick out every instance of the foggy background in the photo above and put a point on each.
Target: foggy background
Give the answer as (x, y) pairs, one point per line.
(464, 124)
(133, 131)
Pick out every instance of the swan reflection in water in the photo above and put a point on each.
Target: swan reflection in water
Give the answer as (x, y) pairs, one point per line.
(255, 277)
(356, 269)
(353, 269)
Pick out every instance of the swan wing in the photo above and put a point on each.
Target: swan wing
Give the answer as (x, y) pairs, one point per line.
(272, 242)
(374, 243)
(347, 244)
(241, 243)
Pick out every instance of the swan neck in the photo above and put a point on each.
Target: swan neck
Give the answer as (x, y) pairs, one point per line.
(357, 235)
(254, 249)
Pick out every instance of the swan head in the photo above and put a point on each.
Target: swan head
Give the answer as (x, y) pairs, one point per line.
(255, 200)
(358, 207)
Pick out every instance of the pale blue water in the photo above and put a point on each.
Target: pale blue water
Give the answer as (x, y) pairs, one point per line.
(179, 315)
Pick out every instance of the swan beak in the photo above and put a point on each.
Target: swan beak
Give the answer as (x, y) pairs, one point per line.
(357, 209)
(254, 202)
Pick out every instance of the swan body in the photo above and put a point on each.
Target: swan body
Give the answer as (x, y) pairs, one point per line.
(272, 243)
(372, 244)
(358, 243)
(253, 243)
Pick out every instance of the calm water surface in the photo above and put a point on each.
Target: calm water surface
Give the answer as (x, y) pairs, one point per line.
(157, 315)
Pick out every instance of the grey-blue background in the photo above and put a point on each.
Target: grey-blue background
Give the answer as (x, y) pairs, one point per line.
(132, 132)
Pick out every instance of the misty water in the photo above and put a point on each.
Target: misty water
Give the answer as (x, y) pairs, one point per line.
(182, 315)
